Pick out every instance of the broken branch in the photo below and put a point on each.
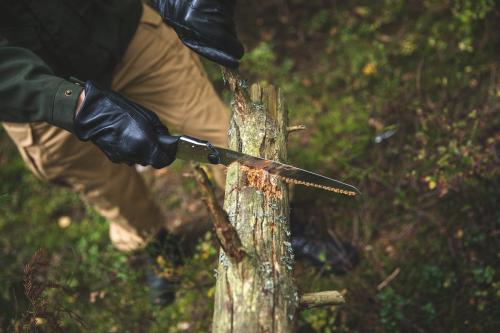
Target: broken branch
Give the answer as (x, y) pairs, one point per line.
(231, 78)
(295, 128)
(323, 298)
(224, 230)
(238, 87)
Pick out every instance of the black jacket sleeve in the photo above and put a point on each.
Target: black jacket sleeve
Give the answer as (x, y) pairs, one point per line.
(30, 92)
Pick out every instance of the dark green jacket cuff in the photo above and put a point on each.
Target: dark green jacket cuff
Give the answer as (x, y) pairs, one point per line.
(30, 92)
(65, 101)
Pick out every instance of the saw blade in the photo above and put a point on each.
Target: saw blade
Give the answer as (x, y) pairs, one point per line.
(189, 148)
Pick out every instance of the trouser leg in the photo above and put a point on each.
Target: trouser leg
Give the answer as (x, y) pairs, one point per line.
(158, 72)
(57, 156)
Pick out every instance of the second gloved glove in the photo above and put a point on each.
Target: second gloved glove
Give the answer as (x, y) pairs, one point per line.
(205, 26)
(124, 131)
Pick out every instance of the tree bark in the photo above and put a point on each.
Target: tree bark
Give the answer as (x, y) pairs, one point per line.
(257, 294)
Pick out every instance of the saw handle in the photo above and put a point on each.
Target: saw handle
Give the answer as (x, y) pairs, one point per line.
(213, 155)
(169, 143)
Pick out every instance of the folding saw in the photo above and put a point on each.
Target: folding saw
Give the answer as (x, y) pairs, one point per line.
(192, 149)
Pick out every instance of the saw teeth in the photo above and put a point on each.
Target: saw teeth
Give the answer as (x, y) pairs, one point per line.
(328, 188)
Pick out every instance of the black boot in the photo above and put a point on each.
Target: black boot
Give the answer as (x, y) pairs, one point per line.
(164, 255)
(331, 257)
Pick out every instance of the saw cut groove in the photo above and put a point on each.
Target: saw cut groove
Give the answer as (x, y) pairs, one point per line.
(263, 181)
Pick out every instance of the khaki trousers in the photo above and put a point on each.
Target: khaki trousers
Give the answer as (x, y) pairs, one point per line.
(160, 73)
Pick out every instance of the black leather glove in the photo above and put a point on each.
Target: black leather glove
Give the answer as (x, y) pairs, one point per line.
(205, 26)
(124, 131)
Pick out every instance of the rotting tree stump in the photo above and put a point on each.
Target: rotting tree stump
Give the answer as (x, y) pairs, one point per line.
(257, 293)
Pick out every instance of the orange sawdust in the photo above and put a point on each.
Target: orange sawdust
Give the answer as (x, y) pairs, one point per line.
(262, 180)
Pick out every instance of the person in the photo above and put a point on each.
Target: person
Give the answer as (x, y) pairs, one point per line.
(90, 88)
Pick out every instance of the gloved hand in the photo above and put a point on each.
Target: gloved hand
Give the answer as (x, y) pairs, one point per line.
(124, 131)
(205, 26)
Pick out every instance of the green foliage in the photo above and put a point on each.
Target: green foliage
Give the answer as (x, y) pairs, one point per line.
(401, 98)
(391, 313)
(319, 320)
(101, 289)
(261, 58)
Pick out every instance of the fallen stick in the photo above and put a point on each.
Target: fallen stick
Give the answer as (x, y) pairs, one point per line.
(388, 279)
(322, 298)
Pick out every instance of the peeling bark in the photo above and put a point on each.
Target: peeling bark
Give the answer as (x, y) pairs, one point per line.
(257, 294)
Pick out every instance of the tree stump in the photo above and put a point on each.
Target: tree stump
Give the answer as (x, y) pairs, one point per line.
(257, 293)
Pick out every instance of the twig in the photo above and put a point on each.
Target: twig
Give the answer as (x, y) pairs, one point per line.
(295, 128)
(238, 87)
(224, 230)
(322, 298)
(231, 78)
(35, 283)
(418, 79)
(388, 279)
